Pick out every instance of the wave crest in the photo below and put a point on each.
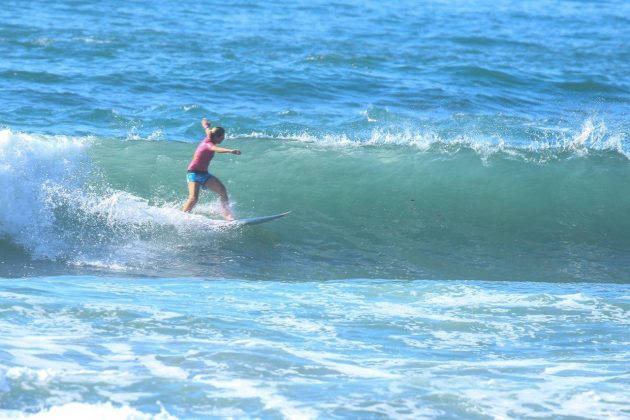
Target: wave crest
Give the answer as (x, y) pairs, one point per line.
(541, 145)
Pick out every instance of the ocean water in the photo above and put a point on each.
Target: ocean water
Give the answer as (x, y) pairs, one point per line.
(458, 175)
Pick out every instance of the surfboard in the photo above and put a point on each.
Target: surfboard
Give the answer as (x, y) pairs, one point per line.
(258, 220)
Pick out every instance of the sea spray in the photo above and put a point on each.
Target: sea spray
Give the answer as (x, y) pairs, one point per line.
(30, 167)
(58, 207)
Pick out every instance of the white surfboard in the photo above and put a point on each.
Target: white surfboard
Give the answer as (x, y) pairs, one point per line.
(257, 220)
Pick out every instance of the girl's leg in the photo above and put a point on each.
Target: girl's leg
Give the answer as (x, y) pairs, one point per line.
(193, 196)
(215, 185)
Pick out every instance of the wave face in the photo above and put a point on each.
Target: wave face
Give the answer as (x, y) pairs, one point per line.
(448, 209)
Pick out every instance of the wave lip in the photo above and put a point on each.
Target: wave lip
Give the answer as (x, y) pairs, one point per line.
(544, 144)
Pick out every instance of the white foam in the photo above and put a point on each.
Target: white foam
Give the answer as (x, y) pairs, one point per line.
(231, 371)
(30, 165)
(337, 362)
(82, 411)
(29, 351)
(40, 376)
(592, 136)
(46, 176)
(43, 41)
(299, 325)
(555, 397)
(242, 388)
(158, 368)
(93, 40)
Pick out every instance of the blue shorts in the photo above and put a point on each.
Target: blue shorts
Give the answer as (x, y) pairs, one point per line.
(200, 177)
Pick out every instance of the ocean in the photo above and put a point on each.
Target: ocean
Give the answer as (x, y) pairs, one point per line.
(458, 179)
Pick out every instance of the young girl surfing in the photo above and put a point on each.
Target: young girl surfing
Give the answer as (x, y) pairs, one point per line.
(198, 176)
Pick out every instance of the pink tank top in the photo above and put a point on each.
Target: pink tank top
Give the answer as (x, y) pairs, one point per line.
(202, 157)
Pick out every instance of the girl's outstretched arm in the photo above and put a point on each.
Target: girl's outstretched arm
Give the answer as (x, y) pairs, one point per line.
(206, 126)
(218, 149)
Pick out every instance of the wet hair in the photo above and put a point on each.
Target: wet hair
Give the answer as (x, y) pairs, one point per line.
(218, 132)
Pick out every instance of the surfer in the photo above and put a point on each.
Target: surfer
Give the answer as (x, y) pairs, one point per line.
(198, 176)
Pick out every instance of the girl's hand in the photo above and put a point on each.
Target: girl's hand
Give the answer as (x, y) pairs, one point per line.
(236, 151)
(205, 123)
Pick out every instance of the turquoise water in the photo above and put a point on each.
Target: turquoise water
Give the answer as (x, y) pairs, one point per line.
(457, 173)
